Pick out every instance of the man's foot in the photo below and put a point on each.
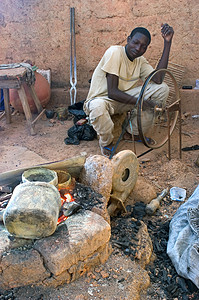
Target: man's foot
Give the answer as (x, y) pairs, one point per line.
(149, 140)
(128, 137)
(107, 150)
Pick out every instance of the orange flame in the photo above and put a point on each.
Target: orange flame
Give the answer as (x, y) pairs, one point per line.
(64, 198)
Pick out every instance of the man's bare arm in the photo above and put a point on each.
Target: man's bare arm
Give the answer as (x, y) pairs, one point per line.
(115, 94)
(167, 34)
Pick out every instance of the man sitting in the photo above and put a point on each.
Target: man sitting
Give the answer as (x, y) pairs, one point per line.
(113, 85)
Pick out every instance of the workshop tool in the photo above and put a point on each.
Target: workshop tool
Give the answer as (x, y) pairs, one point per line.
(164, 118)
(73, 72)
(155, 203)
(125, 174)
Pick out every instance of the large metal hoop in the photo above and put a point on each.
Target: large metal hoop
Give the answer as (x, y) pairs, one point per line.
(163, 110)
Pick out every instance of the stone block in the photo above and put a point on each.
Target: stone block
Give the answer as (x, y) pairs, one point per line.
(78, 237)
(20, 268)
(97, 173)
(145, 246)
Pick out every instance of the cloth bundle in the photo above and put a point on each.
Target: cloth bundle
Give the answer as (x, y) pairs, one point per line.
(183, 243)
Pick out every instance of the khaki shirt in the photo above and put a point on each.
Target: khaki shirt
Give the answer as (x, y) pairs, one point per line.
(115, 61)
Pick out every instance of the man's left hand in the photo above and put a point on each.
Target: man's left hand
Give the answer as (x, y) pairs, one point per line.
(167, 32)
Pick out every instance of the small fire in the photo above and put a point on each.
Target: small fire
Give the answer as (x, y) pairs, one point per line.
(64, 198)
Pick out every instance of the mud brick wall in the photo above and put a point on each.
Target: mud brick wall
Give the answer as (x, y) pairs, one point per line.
(40, 31)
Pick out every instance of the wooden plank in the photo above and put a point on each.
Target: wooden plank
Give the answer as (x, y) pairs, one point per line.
(26, 109)
(12, 73)
(72, 165)
(39, 116)
(36, 99)
(10, 84)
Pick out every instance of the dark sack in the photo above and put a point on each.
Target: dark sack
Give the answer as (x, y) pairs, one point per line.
(77, 111)
(80, 132)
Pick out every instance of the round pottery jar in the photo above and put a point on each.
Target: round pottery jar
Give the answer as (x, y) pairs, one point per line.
(42, 89)
(40, 174)
(33, 210)
(64, 179)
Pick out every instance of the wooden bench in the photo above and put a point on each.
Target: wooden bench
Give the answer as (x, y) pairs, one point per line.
(13, 79)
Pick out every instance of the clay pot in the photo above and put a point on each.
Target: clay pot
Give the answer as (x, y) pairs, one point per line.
(64, 179)
(42, 89)
(33, 210)
(40, 174)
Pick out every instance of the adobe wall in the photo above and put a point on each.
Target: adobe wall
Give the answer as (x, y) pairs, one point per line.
(40, 31)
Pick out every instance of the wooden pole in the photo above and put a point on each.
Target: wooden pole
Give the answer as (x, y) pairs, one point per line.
(72, 165)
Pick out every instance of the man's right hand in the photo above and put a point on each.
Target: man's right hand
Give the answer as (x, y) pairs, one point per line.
(147, 104)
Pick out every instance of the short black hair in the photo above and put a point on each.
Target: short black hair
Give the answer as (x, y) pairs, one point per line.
(141, 30)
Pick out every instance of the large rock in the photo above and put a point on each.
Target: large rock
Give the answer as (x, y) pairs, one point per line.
(97, 173)
(19, 268)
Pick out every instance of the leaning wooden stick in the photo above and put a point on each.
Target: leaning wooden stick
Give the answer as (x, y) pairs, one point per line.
(72, 165)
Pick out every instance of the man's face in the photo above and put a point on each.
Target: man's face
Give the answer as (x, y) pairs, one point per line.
(136, 46)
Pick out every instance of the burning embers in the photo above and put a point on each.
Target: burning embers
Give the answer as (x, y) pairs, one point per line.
(70, 251)
(36, 208)
(69, 206)
(42, 198)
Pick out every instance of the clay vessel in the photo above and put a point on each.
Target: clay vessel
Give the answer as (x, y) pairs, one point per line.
(42, 89)
(33, 210)
(40, 174)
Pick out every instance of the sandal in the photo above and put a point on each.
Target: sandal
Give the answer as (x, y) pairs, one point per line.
(108, 151)
(150, 141)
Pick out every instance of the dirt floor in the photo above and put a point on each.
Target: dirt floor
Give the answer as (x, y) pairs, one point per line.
(112, 280)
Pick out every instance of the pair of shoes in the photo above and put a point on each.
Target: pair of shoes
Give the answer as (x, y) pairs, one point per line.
(106, 151)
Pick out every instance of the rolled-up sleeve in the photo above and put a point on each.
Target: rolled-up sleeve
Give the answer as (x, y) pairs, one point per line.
(111, 61)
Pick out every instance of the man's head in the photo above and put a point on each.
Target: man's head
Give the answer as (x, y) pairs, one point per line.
(137, 42)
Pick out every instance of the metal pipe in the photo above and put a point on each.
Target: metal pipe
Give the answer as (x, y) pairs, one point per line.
(73, 72)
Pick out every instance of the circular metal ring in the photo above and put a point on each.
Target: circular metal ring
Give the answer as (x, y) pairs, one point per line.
(163, 136)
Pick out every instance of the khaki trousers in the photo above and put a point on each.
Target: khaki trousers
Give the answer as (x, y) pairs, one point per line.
(101, 109)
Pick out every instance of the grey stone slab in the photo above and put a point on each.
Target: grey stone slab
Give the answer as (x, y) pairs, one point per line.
(79, 237)
(20, 268)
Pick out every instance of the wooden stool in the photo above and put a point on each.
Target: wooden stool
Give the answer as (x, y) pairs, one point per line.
(13, 79)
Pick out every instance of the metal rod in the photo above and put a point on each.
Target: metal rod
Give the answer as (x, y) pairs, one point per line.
(145, 152)
(180, 130)
(73, 72)
(169, 137)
